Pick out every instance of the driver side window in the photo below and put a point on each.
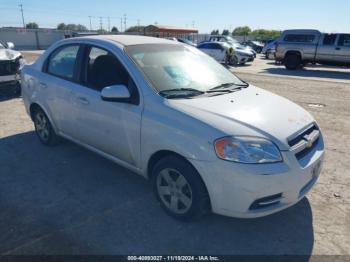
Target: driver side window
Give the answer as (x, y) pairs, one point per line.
(103, 69)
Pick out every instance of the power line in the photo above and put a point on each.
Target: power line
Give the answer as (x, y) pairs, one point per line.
(90, 23)
(21, 6)
(124, 22)
(101, 23)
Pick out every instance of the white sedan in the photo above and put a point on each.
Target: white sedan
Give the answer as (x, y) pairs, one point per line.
(217, 50)
(205, 139)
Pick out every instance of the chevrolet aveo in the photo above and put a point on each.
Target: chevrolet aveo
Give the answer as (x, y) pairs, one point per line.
(207, 140)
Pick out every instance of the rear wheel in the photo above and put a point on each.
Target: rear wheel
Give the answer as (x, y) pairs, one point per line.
(292, 61)
(179, 189)
(43, 128)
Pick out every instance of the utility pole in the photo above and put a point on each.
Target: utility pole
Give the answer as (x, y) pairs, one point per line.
(21, 6)
(109, 24)
(101, 24)
(121, 24)
(90, 23)
(124, 22)
(138, 25)
(193, 24)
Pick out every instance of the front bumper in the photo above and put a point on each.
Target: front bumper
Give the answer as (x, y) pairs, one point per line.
(9, 79)
(234, 189)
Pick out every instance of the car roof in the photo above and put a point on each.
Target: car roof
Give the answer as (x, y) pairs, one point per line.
(129, 40)
(301, 31)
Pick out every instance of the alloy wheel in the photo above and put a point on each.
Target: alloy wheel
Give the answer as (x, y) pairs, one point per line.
(174, 191)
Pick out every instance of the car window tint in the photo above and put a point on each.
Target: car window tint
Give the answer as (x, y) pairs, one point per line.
(344, 40)
(62, 61)
(217, 47)
(104, 69)
(299, 38)
(329, 39)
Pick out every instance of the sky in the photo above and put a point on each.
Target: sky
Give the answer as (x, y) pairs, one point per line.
(206, 15)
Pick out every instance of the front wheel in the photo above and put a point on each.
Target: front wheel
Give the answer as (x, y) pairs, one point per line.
(43, 128)
(292, 61)
(179, 189)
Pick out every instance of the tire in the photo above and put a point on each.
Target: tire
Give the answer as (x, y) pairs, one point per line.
(43, 128)
(180, 189)
(292, 61)
(234, 60)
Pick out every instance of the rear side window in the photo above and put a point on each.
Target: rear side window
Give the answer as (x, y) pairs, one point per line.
(295, 38)
(62, 61)
(344, 40)
(329, 39)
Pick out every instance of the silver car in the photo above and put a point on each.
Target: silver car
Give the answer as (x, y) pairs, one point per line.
(205, 139)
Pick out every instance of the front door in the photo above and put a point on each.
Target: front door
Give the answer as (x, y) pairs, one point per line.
(111, 127)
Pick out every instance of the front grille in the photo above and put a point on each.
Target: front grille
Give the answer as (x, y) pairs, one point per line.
(305, 142)
(9, 67)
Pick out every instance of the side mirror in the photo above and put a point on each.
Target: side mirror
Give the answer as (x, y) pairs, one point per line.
(10, 45)
(116, 93)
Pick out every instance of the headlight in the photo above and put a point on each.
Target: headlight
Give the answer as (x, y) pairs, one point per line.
(247, 150)
(22, 62)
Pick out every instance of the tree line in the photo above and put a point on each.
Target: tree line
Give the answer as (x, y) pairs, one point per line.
(247, 31)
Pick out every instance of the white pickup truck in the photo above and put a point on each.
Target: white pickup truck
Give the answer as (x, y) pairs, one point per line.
(296, 48)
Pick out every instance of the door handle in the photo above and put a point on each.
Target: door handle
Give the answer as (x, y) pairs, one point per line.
(83, 100)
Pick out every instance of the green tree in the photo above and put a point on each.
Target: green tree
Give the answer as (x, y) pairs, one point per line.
(225, 32)
(73, 27)
(242, 31)
(115, 29)
(262, 34)
(61, 26)
(32, 25)
(135, 29)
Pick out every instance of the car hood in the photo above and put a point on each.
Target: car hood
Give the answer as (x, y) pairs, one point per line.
(251, 111)
(8, 54)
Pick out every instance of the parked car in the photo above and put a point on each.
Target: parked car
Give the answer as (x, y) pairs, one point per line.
(217, 50)
(269, 48)
(232, 41)
(206, 140)
(11, 62)
(256, 45)
(296, 48)
(186, 41)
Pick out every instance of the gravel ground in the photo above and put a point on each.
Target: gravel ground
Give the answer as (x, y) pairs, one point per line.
(66, 200)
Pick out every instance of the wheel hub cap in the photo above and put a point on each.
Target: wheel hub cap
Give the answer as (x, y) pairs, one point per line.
(174, 191)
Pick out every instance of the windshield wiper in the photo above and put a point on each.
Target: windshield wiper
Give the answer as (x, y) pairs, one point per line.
(226, 87)
(180, 92)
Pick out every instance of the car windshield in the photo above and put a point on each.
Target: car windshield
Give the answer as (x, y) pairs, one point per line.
(177, 67)
(2, 45)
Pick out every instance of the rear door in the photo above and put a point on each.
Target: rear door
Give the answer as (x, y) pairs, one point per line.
(326, 48)
(57, 82)
(342, 51)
